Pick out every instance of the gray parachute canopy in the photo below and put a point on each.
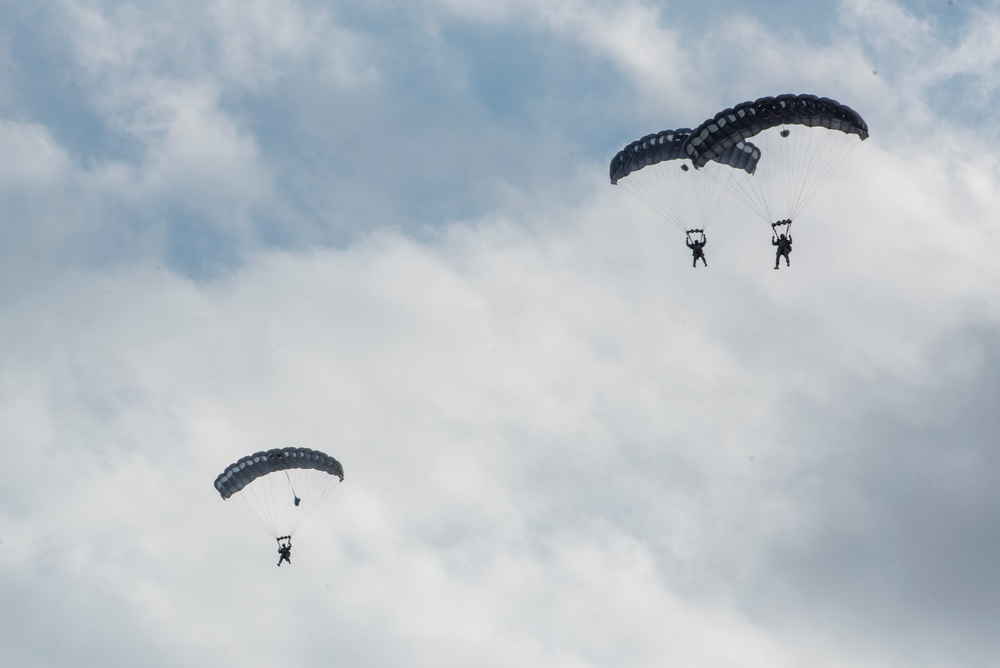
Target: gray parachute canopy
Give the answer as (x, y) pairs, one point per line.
(669, 145)
(243, 472)
(656, 170)
(280, 488)
(803, 140)
(710, 140)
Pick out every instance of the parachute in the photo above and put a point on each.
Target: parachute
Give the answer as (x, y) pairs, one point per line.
(280, 488)
(803, 139)
(656, 170)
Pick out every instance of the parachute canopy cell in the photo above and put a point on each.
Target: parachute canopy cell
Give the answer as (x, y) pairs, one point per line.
(710, 140)
(248, 469)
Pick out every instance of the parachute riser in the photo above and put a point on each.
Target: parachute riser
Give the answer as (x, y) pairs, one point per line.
(786, 224)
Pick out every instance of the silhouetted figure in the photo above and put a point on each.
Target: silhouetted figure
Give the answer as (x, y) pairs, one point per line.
(697, 246)
(284, 549)
(783, 242)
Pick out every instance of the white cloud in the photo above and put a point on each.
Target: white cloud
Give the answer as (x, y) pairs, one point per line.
(557, 420)
(254, 34)
(196, 151)
(952, 70)
(888, 26)
(632, 35)
(33, 158)
(977, 55)
(563, 446)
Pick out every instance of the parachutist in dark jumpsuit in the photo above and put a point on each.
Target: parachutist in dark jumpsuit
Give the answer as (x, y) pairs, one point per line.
(784, 247)
(284, 549)
(697, 247)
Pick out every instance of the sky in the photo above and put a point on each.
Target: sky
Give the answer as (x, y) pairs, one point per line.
(384, 230)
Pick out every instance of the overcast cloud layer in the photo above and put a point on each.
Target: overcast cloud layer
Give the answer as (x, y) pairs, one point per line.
(386, 232)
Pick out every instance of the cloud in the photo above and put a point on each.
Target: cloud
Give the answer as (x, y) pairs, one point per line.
(563, 446)
(901, 511)
(33, 157)
(525, 424)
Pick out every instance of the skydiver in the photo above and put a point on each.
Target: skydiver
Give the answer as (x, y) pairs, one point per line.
(783, 243)
(284, 550)
(697, 247)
